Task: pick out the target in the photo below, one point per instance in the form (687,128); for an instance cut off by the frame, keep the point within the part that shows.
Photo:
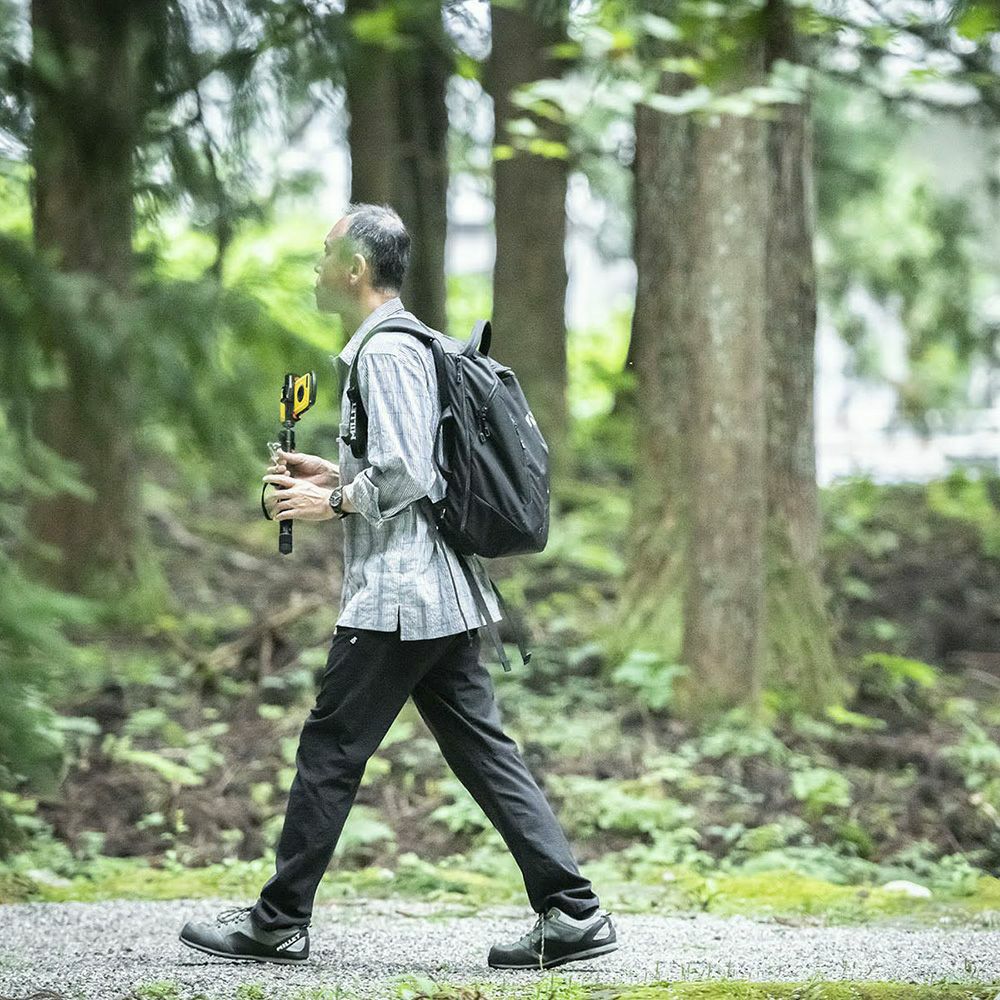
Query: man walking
(408,627)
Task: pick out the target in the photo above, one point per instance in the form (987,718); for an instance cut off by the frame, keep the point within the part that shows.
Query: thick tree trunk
(724,601)
(724,560)
(398,136)
(799,633)
(373,121)
(423,73)
(88,70)
(695,589)
(529,277)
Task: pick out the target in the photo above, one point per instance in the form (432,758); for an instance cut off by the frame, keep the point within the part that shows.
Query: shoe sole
(603,949)
(243,958)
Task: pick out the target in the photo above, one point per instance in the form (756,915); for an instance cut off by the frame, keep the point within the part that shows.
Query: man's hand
(298,499)
(306,468)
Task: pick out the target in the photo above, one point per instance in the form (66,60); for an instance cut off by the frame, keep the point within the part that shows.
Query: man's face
(339,273)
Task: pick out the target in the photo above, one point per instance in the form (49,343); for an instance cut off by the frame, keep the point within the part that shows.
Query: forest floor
(118,950)
(743,858)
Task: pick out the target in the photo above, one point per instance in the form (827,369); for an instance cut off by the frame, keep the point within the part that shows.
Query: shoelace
(526,939)
(540,925)
(233,914)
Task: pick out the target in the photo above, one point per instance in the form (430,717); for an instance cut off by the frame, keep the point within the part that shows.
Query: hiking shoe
(557,938)
(235,935)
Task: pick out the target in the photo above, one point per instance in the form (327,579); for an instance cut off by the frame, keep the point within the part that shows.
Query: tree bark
(695,590)
(799,633)
(89,67)
(664,185)
(529,276)
(398,136)
(724,601)
(373,121)
(423,73)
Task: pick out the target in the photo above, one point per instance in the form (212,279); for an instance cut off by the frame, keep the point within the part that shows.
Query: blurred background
(744,260)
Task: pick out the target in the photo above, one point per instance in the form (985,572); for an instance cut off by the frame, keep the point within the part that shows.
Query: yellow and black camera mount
(298,393)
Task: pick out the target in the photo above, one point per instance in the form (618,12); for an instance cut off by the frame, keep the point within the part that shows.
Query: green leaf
(549,149)
(169,770)
(845,717)
(681,104)
(978,21)
(467,67)
(377,27)
(659,27)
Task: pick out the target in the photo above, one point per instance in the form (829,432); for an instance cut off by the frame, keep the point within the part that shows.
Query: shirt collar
(388,308)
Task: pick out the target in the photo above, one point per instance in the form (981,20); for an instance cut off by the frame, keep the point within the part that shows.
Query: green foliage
(908,685)
(460,813)
(250,991)
(977,755)
(580,541)
(977,20)
(666,851)
(885,542)
(650,676)
(854,720)
(893,675)
(727,989)
(590,805)
(363,831)
(820,789)
(972,499)
(951,874)
(34,647)
(161,989)
(736,735)
(887,228)
(470,298)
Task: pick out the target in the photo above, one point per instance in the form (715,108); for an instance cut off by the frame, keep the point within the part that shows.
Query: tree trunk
(695,590)
(88,71)
(373,123)
(422,74)
(664,185)
(724,601)
(529,277)
(799,652)
(398,136)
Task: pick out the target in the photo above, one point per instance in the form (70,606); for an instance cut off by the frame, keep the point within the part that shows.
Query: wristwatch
(336,500)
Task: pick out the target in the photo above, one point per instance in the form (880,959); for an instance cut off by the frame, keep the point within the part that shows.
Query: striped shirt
(398,570)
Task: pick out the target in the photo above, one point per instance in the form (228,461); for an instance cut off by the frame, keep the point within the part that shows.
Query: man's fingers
(279,479)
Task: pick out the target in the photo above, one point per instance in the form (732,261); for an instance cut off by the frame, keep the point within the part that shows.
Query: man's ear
(358,267)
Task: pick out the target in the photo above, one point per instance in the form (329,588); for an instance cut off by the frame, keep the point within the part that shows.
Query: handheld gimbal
(298,393)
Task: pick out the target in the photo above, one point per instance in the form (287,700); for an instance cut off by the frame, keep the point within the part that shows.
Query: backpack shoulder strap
(397,324)
(357,436)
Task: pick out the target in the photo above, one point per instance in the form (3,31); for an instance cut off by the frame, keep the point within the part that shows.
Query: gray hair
(383,239)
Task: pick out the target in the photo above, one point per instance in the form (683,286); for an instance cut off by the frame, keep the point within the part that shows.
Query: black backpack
(495,460)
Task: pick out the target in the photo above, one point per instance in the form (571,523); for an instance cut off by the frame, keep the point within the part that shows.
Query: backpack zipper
(484,427)
(484,433)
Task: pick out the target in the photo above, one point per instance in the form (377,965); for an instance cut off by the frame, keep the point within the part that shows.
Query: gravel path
(102,951)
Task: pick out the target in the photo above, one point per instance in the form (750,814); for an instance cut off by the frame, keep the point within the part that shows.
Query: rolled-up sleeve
(397,392)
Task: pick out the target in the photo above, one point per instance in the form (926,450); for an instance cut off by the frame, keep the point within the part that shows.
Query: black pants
(368,677)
